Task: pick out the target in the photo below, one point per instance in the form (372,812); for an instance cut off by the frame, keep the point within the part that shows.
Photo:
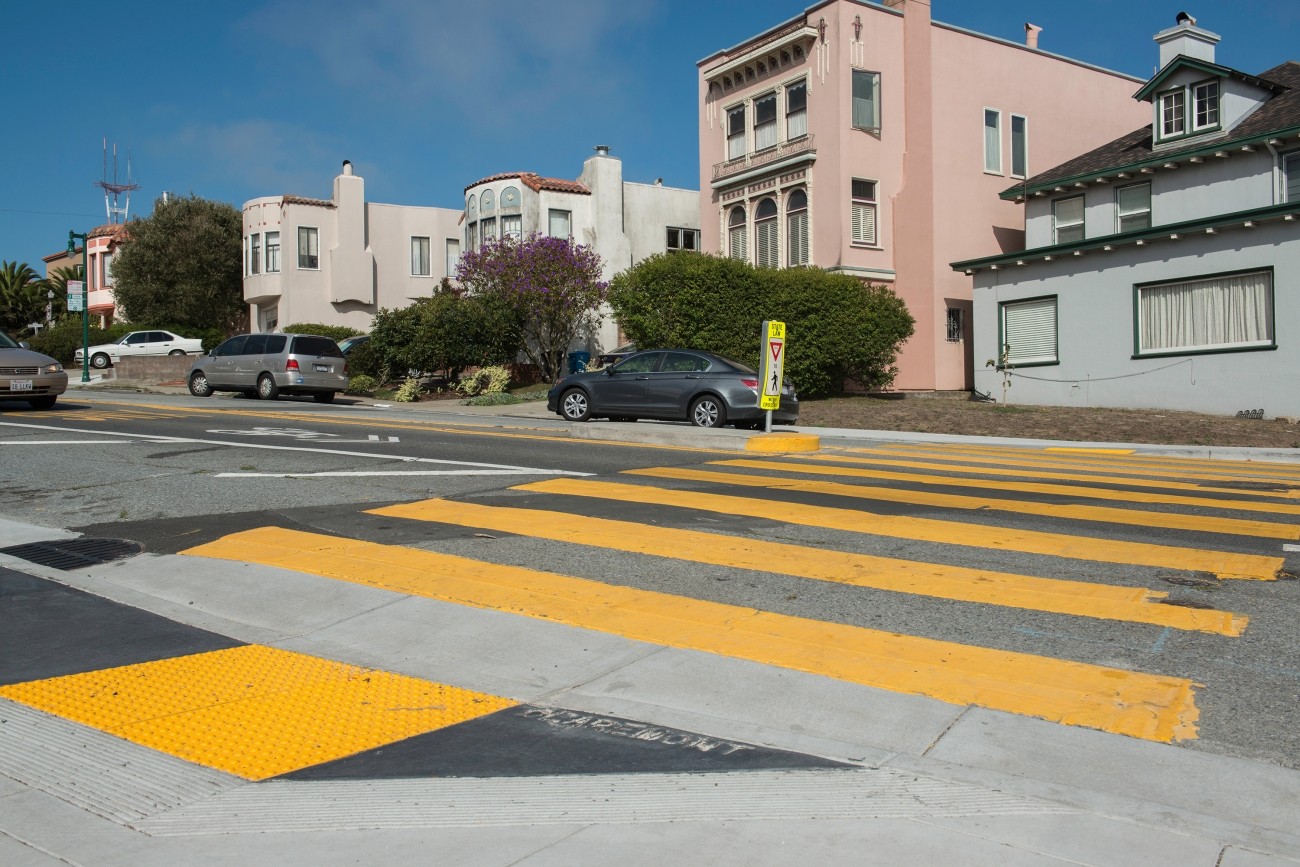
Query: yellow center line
(1103,514)
(1137,605)
(1153,707)
(1223,564)
(1108,467)
(1027,487)
(1042,474)
(468,428)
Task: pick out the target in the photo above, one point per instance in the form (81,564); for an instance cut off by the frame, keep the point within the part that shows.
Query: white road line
(523,471)
(276,448)
(65,443)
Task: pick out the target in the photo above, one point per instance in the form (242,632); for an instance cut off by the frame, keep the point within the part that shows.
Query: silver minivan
(269,365)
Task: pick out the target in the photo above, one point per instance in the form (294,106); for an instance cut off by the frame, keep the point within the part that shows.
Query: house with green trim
(1160,270)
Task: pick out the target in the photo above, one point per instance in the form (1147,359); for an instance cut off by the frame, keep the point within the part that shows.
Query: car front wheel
(99,361)
(199,385)
(708,411)
(574,405)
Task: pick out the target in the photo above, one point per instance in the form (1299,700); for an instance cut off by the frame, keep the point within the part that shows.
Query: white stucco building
(1160,270)
(337,261)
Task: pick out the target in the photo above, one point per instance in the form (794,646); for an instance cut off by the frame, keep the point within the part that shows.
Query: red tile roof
(301,200)
(116,231)
(537,183)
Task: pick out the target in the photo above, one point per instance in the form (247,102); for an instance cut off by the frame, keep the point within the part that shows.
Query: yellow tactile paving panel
(1150,706)
(254,711)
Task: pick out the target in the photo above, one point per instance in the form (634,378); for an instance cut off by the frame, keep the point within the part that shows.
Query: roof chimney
(1031,35)
(602,150)
(347,167)
(1187,39)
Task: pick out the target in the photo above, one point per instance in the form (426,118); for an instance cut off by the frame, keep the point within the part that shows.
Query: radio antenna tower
(113,190)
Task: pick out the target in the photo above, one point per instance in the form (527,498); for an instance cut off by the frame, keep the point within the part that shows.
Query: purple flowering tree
(552,284)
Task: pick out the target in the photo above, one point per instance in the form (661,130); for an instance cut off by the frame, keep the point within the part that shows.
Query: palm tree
(22,296)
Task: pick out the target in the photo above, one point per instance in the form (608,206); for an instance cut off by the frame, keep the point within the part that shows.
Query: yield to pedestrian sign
(773,365)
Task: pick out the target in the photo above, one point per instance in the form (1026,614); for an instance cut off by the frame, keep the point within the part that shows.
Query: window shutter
(736,243)
(1029,328)
(798,239)
(864,224)
(768,245)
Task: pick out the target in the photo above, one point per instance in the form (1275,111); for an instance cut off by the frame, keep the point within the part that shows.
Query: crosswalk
(954,512)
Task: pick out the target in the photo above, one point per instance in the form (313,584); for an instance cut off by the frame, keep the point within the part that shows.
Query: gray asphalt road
(172,472)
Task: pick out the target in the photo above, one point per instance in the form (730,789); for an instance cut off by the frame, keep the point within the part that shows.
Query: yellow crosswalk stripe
(1104,514)
(1029,473)
(1274,469)
(1080,492)
(1223,564)
(1026,458)
(1153,707)
(1138,605)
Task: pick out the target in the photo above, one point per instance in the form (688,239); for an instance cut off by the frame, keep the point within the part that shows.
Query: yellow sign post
(769,396)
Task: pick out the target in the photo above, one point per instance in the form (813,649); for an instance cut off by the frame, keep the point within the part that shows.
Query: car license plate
(20,385)
(323,368)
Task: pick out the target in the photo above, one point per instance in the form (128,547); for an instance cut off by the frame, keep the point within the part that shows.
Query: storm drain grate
(74,553)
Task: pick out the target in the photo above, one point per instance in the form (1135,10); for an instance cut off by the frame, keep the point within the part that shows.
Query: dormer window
(1206,98)
(1191,109)
(1173,113)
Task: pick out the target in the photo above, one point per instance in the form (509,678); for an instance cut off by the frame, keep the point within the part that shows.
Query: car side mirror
(609,371)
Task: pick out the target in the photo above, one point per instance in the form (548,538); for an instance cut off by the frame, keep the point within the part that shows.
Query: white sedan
(142,343)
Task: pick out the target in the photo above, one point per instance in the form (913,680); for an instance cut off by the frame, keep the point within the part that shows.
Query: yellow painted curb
(783,443)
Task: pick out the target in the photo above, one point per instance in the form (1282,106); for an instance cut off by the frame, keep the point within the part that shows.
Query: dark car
(673,384)
(347,344)
(269,365)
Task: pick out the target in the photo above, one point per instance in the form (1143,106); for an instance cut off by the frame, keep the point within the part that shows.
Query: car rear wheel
(708,411)
(324,396)
(99,361)
(574,405)
(199,385)
(177,352)
(43,402)
(266,387)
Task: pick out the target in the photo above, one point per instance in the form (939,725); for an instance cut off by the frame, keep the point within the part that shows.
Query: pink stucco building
(871,140)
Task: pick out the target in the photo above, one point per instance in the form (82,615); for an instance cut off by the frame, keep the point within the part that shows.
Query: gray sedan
(30,376)
(672,384)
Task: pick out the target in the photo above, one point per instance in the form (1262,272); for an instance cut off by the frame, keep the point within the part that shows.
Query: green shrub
(364,361)
(486,380)
(499,398)
(446,332)
(409,391)
(839,328)
(362,384)
(334,332)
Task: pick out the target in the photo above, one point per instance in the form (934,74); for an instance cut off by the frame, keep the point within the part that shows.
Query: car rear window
(741,366)
(316,346)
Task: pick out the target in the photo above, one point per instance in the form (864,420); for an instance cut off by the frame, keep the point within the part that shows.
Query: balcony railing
(757,160)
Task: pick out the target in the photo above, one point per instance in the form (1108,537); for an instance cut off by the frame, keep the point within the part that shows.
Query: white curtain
(1207,314)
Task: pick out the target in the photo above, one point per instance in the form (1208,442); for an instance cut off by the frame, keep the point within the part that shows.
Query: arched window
(487,202)
(510,198)
(796,209)
(736,235)
(766,235)
(471,207)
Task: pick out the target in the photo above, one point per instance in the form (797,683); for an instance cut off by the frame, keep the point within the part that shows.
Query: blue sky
(235,100)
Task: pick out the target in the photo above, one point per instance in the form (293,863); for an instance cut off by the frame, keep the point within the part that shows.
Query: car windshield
(7,342)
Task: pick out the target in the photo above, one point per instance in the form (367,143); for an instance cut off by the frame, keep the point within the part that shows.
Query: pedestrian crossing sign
(773,365)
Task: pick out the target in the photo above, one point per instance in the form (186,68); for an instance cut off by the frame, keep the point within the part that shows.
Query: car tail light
(291,364)
(749,382)
(345,368)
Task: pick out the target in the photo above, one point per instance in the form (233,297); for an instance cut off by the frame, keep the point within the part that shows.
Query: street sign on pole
(74,295)
(773,366)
